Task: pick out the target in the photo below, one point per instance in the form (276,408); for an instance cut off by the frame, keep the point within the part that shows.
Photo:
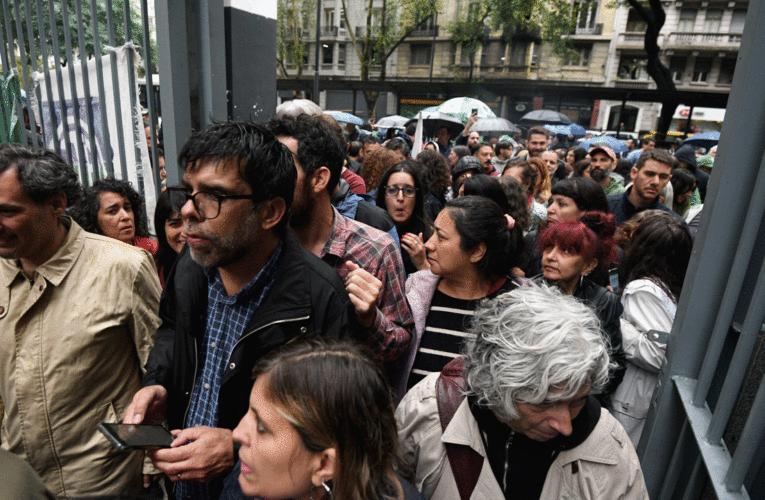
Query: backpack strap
(466,463)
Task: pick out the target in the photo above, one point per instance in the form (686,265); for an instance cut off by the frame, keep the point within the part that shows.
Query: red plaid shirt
(377,253)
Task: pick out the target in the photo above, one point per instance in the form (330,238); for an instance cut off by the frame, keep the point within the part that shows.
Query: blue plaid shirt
(227,318)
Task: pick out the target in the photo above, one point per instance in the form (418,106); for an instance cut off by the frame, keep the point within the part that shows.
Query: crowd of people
(324,318)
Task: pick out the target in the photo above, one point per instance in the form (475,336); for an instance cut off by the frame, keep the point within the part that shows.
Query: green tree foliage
(544,21)
(39,17)
(387,24)
(294,20)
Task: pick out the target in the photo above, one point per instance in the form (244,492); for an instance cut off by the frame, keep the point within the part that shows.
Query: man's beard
(226,250)
(599,175)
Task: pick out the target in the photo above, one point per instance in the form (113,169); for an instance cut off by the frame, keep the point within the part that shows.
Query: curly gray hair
(533,345)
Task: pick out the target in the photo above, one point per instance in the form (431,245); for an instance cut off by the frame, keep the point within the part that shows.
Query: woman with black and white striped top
(471,255)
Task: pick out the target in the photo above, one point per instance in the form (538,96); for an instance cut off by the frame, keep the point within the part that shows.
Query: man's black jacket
(308,297)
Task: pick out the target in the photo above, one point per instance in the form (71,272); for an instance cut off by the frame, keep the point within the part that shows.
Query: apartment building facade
(699,43)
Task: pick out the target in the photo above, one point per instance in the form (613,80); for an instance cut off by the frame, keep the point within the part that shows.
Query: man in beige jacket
(515,417)
(78,313)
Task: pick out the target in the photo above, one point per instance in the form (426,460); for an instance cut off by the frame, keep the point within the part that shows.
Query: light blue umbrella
(344,117)
(605,140)
(703,140)
(557,129)
(576,130)
(572,129)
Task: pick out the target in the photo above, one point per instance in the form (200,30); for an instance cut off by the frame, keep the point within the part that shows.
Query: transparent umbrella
(461,107)
(497,126)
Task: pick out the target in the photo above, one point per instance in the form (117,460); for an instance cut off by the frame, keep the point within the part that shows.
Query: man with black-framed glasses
(242,287)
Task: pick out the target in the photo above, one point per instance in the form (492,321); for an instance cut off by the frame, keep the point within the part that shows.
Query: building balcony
(702,41)
(329,31)
(633,40)
(425,32)
(588,31)
(624,83)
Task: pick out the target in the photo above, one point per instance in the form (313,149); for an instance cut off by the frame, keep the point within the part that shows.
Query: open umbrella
(344,117)
(494,126)
(703,140)
(571,129)
(434,120)
(605,140)
(542,117)
(462,107)
(394,121)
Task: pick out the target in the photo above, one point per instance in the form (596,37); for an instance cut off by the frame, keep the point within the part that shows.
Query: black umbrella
(543,117)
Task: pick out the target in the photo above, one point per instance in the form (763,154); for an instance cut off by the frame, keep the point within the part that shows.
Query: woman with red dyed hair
(570,251)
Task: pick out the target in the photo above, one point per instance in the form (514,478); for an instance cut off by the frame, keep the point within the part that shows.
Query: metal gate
(712,379)
(52,42)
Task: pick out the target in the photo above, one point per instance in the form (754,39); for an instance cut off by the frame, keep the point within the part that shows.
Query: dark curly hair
(42,173)
(439,174)
(480,220)
(517,200)
(86,212)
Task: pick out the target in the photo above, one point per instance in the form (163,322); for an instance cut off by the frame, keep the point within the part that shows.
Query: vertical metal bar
(174,75)
(3,51)
(60,81)
(740,152)
(748,338)
(108,153)
(5,114)
(316,54)
(48,83)
(116,89)
(73,87)
(676,464)
(12,66)
(25,77)
(33,57)
(751,436)
(746,342)
(86,92)
(212,76)
(696,482)
(148,63)
(141,170)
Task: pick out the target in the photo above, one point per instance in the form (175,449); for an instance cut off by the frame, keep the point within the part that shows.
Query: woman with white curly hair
(513,418)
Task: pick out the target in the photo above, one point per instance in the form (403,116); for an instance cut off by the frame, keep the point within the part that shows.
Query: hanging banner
(127,117)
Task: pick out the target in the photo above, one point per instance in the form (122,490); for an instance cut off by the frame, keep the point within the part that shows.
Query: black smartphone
(613,279)
(474,111)
(136,436)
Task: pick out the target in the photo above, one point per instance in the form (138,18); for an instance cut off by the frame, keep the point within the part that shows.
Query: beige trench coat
(73,342)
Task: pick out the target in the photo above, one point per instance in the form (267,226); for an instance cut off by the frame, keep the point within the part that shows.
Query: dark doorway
(628,118)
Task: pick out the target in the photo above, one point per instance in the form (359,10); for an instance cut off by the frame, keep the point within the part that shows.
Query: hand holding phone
(126,437)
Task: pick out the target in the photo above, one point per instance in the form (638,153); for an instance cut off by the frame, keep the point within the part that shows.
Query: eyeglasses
(208,204)
(392,191)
